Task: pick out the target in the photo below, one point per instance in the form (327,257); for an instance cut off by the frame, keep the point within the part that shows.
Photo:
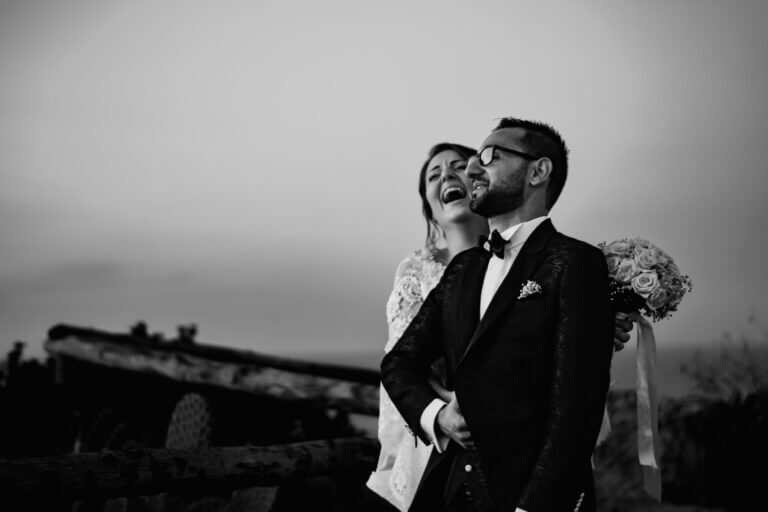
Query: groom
(526,331)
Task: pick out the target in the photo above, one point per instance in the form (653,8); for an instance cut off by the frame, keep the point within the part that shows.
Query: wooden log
(217,353)
(147,472)
(353,390)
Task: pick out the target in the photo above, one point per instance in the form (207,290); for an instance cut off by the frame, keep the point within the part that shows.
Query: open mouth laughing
(453,193)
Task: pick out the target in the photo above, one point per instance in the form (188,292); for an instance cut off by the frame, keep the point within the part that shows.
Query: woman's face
(447,188)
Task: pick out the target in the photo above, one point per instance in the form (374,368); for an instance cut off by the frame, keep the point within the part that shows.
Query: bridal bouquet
(644,281)
(644,278)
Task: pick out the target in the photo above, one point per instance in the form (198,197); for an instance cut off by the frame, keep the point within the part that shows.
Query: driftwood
(147,472)
(341,387)
(219,353)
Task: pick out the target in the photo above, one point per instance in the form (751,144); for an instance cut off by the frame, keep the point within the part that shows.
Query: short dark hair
(463,151)
(542,140)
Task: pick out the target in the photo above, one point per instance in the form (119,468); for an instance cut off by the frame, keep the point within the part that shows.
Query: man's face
(499,186)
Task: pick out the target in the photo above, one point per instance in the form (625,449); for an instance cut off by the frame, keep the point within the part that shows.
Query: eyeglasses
(487,154)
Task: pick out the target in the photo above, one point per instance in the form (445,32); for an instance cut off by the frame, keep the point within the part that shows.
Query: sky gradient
(251,166)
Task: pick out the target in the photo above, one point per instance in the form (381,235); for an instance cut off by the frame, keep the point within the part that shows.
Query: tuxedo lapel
(525,265)
(467,312)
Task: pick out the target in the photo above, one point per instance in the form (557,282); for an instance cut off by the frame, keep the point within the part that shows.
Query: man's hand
(622,330)
(451,422)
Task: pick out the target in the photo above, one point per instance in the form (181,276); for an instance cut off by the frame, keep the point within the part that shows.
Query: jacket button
(468,468)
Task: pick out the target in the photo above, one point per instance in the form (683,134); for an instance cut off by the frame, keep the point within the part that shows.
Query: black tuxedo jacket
(531,377)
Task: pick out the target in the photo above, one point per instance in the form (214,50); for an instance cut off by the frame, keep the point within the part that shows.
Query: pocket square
(529,288)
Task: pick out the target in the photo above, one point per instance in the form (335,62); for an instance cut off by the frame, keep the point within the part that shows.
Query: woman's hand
(621,331)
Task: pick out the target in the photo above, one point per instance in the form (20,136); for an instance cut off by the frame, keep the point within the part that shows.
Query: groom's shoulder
(571,247)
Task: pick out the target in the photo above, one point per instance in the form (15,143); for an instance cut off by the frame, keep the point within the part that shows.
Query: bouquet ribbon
(648,448)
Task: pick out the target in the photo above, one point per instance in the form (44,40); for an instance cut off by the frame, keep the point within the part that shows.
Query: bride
(451,228)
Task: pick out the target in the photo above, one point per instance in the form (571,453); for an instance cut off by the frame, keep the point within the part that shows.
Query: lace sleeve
(403,304)
(415,277)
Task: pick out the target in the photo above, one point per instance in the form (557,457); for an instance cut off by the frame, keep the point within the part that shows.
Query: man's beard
(501,199)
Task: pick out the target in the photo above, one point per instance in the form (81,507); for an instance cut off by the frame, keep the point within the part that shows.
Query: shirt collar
(519,233)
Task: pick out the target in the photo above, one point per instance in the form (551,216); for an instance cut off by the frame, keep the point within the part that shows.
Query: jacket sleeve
(405,368)
(580,379)
(403,304)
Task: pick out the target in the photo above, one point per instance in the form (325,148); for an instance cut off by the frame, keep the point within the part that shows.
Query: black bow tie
(496,244)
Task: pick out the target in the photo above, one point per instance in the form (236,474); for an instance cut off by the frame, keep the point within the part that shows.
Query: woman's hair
(464,152)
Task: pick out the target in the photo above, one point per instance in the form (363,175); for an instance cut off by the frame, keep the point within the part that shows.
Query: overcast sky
(251,166)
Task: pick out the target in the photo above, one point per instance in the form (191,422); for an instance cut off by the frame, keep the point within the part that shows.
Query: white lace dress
(403,457)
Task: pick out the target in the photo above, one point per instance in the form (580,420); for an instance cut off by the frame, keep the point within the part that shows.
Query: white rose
(613,264)
(627,270)
(645,259)
(619,247)
(645,284)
